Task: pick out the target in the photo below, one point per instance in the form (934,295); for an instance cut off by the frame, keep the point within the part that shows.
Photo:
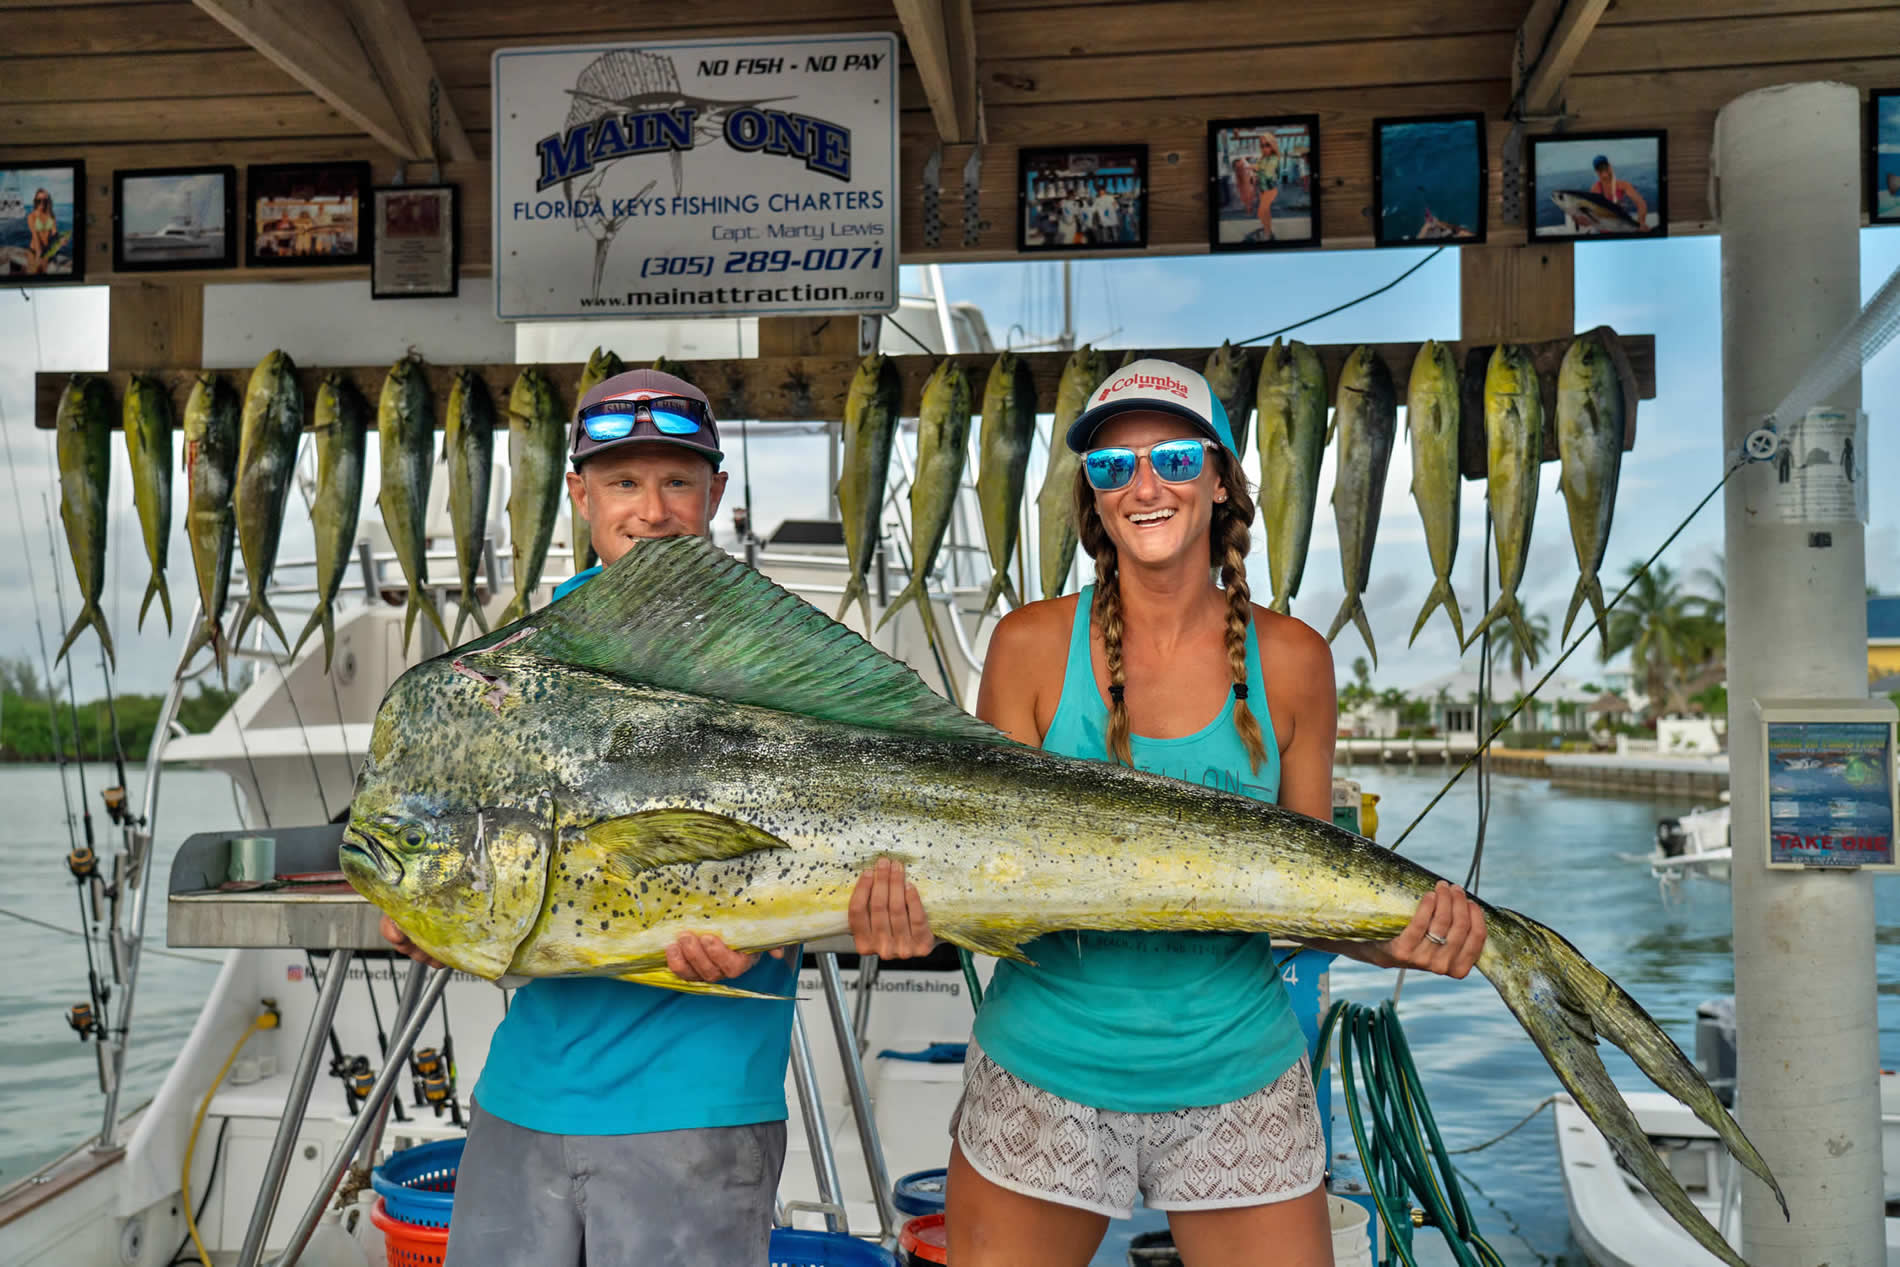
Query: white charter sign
(696,178)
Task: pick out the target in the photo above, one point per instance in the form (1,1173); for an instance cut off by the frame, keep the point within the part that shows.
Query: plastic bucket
(407,1245)
(1352,1237)
(823,1249)
(924,1241)
(921,1192)
(418,1184)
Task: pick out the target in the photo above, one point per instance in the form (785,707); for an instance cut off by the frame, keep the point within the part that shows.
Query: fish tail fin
(856,589)
(914,590)
(470,606)
(936,646)
(1565,1002)
(1521,630)
(156,588)
(422,598)
(1501,610)
(1354,610)
(90,614)
(666,980)
(1000,587)
(1441,595)
(1282,603)
(319,619)
(210,633)
(1591,589)
(259,605)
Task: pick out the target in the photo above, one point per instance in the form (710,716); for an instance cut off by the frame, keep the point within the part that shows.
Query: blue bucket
(921,1192)
(826,1249)
(417,1185)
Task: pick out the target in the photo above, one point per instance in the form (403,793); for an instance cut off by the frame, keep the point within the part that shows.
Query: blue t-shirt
(595,1056)
(1148,1022)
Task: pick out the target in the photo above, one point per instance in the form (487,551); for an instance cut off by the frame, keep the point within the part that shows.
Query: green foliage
(29,730)
(1677,640)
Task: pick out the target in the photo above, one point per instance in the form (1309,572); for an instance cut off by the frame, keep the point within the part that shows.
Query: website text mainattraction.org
(726,295)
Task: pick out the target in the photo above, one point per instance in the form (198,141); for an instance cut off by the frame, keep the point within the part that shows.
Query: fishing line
(257,784)
(913,338)
(1371,294)
(1636,575)
(73,932)
(310,754)
(1484,712)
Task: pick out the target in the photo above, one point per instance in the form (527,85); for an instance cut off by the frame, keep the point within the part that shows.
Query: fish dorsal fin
(681,614)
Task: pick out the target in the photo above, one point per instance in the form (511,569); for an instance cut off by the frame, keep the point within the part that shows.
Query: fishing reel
(82,862)
(435,1082)
(85,1024)
(114,797)
(355,1075)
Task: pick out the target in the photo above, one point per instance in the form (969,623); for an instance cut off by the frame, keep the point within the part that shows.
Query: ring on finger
(1434,938)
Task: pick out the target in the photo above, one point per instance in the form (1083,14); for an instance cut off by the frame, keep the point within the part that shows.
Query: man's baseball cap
(1154,385)
(620,395)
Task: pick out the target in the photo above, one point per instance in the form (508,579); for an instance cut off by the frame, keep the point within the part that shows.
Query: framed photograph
(306,215)
(1429,179)
(42,223)
(1263,183)
(1598,185)
(1082,198)
(174,217)
(1883,157)
(417,250)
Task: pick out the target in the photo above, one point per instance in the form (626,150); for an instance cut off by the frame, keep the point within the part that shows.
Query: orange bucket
(924,1240)
(407,1244)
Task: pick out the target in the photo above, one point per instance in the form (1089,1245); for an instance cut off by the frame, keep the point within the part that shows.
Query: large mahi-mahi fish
(682,745)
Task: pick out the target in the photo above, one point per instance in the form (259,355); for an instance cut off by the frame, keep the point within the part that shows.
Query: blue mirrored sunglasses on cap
(670,415)
(1174,462)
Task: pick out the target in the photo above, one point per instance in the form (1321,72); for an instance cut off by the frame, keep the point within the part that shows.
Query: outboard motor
(1715,1046)
(1670,838)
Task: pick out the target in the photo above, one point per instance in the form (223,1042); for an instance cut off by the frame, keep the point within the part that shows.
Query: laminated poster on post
(1827,778)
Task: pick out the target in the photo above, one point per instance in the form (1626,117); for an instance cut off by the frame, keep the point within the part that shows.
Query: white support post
(1788,163)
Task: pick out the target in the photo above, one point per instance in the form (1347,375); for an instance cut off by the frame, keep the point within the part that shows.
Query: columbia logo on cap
(1155,382)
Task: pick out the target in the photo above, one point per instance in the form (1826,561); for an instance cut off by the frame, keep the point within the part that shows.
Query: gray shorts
(694,1198)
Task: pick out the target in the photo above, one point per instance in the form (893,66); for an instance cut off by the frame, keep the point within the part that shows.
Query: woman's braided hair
(1229,535)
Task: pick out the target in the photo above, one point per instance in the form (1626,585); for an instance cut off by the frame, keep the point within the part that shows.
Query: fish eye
(413,839)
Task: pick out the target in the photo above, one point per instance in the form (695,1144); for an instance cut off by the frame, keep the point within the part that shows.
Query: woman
(1165,1063)
(44,238)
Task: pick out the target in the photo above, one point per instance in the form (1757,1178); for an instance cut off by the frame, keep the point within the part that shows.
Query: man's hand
(887,915)
(706,957)
(400,940)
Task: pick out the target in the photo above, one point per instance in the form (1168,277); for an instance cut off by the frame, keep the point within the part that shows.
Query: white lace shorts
(1256,1150)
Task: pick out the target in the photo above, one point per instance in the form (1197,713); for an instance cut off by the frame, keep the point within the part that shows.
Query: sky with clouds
(1668,288)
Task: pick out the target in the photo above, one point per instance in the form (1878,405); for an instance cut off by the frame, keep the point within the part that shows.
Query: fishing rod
(83,861)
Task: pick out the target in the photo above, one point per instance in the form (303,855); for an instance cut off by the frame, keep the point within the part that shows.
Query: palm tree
(1522,657)
(1675,642)
(1714,604)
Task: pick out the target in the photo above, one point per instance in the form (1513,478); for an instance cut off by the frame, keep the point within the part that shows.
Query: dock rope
(1404,1156)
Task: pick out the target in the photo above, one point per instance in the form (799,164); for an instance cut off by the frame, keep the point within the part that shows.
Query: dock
(1702,776)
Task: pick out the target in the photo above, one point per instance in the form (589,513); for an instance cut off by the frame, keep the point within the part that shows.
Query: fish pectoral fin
(660,837)
(666,980)
(994,942)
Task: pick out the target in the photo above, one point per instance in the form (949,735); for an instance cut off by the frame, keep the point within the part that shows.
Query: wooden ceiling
(149,83)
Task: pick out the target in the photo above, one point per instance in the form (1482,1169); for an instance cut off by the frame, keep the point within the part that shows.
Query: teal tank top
(1147,1022)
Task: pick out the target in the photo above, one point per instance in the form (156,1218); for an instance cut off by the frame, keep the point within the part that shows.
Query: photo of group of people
(1094,199)
(1264,185)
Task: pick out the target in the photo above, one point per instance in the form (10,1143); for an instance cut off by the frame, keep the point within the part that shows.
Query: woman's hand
(887,915)
(1445,936)
(706,957)
(400,940)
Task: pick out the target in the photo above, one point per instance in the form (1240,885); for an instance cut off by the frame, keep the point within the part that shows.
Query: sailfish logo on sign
(627,84)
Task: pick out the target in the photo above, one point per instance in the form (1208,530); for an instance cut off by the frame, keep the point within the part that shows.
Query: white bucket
(1352,1240)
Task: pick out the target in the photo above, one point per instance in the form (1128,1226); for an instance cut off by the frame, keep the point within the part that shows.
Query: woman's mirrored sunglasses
(1174,462)
(670,415)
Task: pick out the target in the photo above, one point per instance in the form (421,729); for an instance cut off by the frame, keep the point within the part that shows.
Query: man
(617,1123)
(621,1125)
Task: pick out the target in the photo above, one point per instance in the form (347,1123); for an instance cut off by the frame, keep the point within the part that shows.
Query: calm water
(1551,854)
(49,1082)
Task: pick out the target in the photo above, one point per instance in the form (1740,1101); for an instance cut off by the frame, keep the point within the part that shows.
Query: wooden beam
(313,42)
(155,323)
(1517,293)
(942,39)
(1547,47)
(808,336)
(408,76)
(810,388)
